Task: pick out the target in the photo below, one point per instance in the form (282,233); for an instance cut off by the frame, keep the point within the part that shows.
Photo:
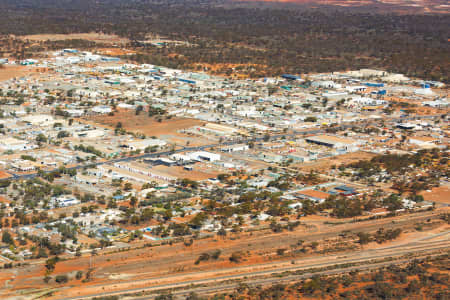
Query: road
(226,143)
(364,259)
(225,287)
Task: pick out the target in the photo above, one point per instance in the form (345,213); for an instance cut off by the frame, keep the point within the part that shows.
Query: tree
(133,201)
(62,134)
(61,278)
(235,257)
(41,253)
(222,232)
(79,275)
(311,119)
(271,90)
(51,263)
(127,186)
(7,238)
(41,138)
(364,238)
(139,109)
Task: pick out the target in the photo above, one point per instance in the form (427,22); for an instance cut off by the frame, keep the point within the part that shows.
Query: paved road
(227,143)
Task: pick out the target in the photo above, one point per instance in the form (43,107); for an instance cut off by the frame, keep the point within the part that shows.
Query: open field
(4,175)
(8,72)
(180,172)
(325,163)
(114,51)
(92,36)
(438,194)
(167,128)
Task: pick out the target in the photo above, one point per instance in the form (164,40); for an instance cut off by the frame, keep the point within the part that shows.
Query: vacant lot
(180,172)
(92,36)
(168,128)
(8,72)
(325,163)
(439,194)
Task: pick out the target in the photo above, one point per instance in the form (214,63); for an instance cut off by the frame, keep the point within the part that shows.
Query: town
(101,157)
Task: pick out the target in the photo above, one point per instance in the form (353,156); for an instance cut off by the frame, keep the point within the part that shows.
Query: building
(204,155)
(356,89)
(291,77)
(313,195)
(344,190)
(234,148)
(110,59)
(334,142)
(64,201)
(161,161)
(407,126)
(326,84)
(102,109)
(23,165)
(143,144)
(13,144)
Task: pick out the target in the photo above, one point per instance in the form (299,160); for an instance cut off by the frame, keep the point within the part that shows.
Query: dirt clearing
(439,194)
(325,163)
(8,72)
(180,172)
(92,36)
(167,129)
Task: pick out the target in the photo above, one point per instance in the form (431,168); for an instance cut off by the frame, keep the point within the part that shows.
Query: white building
(64,201)
(203,155)
(13,144)
(102,109)
(142,144)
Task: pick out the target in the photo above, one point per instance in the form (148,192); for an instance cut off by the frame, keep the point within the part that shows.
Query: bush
(62,279)
(79,275)
(235,257)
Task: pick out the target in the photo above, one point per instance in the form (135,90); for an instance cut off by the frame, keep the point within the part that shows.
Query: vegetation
(268,41)
(420,279)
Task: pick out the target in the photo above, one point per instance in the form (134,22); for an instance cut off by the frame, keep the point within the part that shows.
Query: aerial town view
(224,150)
